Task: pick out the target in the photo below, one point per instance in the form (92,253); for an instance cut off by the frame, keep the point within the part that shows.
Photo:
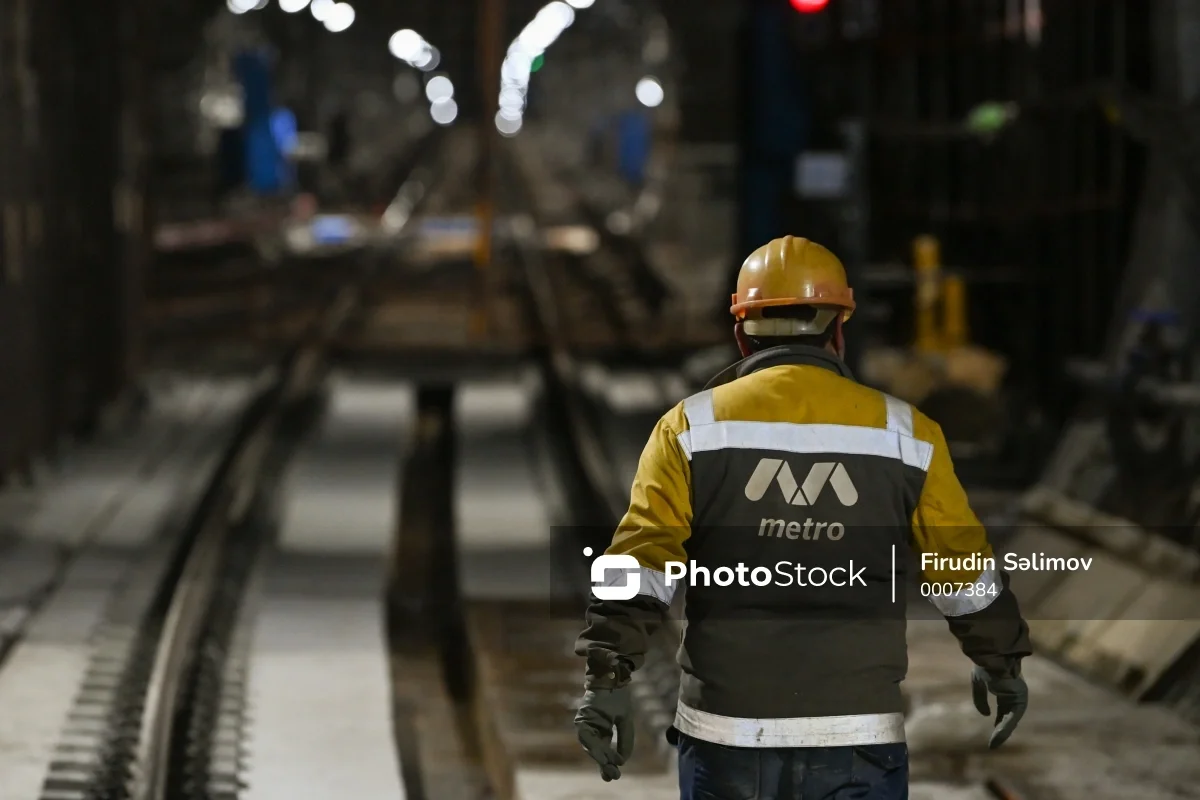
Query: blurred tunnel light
(320,9)
(649,92)
(240,6)
(292,6)
(405,45)
(545,29)
(511,98)
(439,89)
(507,125)
(429,59)
(340,17)
(516,68)
(534,41)
(525,54)
(519,60)
(223,109)
(560,13)
(261,4)
(444,112)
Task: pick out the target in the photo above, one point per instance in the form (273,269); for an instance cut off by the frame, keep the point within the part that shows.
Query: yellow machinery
(935,289)
(954,312)
(927,262)
(941,355)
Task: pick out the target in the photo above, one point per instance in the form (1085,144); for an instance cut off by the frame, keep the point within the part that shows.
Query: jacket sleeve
(982,611)
(652,532)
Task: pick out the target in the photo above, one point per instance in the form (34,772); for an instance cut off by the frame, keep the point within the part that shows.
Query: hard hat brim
(838,299)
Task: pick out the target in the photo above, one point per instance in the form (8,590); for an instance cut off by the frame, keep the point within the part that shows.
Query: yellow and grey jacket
(793,496)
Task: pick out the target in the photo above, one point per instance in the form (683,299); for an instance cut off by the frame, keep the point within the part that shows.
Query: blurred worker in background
(784,463)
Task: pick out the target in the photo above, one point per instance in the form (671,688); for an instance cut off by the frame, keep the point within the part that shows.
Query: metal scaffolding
(987,130)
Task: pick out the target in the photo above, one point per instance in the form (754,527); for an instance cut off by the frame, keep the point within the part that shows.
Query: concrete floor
(1077,742)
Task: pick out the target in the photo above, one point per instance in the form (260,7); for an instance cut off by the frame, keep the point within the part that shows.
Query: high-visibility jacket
(786,503)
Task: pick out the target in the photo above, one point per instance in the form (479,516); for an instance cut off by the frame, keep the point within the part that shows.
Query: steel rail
(231,498)
(587,466)
(226,504)
(564,370)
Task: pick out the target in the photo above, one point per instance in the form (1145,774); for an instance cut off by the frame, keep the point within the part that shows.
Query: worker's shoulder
(801,393)
(922,427)
(675,420)
(925,428)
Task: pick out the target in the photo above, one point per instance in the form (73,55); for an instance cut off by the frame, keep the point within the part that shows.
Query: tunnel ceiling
(703,52)
(186,60)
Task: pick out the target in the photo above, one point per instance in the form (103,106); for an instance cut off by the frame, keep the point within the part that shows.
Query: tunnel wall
(72,221)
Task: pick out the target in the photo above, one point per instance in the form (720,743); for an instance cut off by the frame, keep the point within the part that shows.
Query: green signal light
(537,63)
(988,118)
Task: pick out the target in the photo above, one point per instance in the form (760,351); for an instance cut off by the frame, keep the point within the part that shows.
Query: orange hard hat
(792,272)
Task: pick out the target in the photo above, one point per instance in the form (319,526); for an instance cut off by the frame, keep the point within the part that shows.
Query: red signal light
(809,6)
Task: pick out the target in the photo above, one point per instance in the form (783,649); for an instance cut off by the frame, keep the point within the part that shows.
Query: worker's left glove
(602,712)
(1012,698)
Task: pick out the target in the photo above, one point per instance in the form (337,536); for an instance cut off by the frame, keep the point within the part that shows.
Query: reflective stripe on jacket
(790,465)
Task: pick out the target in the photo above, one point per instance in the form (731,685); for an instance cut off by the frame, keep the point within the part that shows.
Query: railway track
(141,640)
(184,689)
(533,727)
(504,668)
(157,693)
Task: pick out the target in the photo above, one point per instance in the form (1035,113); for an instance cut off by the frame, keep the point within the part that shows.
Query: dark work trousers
(715,772)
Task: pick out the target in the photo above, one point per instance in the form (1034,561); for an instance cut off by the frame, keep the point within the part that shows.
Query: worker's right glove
(1012,698)
(602,712)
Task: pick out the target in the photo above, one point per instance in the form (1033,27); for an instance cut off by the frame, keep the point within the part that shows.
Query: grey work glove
(1012,698)
(602,712)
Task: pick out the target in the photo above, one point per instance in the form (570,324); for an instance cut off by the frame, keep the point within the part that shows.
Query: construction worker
(810,488)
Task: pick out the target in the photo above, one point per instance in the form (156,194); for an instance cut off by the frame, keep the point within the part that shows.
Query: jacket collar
(797,354)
